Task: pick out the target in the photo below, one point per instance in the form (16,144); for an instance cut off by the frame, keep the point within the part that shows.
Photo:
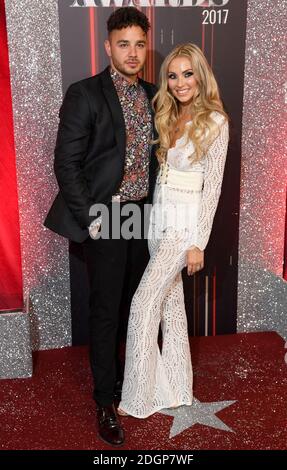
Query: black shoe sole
(109,443)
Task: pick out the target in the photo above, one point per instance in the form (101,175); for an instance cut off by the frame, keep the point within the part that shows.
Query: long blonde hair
(206,100)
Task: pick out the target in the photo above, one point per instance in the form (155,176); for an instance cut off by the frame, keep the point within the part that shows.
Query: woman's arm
(213,176)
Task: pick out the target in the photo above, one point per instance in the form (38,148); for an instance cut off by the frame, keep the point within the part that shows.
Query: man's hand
(94,228)
(194,260)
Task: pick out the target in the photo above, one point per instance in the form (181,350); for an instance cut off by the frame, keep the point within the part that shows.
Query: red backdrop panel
(285,251)
(11,296)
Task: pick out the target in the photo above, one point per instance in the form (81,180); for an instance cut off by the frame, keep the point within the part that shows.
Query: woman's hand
(194,260)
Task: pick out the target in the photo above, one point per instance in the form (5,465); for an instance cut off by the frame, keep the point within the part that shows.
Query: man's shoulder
(150,86)
(87,83)
(92,84)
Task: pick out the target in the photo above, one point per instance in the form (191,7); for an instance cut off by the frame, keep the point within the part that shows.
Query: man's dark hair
(127,16)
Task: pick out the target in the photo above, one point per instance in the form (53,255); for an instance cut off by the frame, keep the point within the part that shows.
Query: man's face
(127,50)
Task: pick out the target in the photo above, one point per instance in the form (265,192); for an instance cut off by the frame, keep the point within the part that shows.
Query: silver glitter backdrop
(35,63)
(15,347)
(262,291)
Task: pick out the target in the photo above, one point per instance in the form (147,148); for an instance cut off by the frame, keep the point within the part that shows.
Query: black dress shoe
(118,390)
(110,430)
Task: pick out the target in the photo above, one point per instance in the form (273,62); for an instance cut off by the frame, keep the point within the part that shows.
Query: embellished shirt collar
(122,82)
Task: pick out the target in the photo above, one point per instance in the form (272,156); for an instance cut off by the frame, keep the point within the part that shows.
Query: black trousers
(115,267)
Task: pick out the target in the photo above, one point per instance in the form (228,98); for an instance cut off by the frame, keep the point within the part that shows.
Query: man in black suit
(103,154)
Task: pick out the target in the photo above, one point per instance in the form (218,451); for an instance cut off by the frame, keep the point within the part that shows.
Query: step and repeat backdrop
(219,29)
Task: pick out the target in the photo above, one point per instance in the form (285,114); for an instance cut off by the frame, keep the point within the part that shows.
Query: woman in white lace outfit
(193,139)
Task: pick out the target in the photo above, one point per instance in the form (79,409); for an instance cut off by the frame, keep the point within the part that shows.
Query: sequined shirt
(138,125)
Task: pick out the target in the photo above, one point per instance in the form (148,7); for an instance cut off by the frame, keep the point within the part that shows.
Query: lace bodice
(177,156)
(212,167)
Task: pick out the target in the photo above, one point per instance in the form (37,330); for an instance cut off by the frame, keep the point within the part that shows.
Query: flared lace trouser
(157,379)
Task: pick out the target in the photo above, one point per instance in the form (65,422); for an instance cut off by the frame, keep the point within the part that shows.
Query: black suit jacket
(90,153)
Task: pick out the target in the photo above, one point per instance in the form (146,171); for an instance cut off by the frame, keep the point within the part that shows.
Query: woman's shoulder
(218,117)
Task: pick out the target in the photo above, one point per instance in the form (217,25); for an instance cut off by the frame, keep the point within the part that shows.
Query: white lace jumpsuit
(155,379)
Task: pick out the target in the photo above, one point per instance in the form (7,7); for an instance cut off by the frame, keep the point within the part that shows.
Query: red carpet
(54,409)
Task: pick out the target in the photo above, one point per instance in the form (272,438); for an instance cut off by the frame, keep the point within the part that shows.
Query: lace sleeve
(213,176)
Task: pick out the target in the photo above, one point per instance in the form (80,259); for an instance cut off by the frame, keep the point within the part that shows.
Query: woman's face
(181,80)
